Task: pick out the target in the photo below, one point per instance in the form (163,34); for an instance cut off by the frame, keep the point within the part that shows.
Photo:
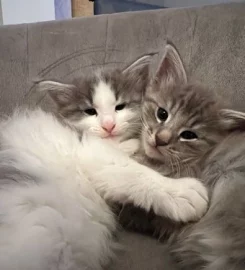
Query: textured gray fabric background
(211,41)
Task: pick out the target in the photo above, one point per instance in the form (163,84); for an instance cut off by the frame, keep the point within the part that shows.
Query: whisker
(175,162)
(171,163)
(146,126)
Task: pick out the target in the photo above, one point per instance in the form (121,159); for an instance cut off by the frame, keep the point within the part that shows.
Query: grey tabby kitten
(217,241)
(187,131)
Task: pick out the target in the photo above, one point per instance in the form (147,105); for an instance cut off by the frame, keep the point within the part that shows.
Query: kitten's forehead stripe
(151,100)
(103,95)
(194,122)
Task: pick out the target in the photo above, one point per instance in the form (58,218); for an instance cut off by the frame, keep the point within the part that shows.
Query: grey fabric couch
(211,41)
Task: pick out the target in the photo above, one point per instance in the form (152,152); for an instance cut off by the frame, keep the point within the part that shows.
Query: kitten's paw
(129,147)
(187,201)
(191,200)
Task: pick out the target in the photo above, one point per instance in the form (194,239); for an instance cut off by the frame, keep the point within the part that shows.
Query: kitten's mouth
(155,148)
(151,150)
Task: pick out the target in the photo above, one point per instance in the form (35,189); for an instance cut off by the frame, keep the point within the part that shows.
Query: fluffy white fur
(54,213)
(54,219)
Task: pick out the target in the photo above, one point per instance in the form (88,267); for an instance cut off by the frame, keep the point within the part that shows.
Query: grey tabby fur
(216,156)
(217,241)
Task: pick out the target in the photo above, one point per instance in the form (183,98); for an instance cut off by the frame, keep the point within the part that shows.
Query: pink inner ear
(171,68)
(164,67)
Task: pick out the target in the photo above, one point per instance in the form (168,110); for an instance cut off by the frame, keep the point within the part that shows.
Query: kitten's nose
(162,138)
(108,126)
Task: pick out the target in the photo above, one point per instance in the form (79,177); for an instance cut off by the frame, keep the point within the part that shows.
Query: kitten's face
(107,104)
(182,122)
(107,111)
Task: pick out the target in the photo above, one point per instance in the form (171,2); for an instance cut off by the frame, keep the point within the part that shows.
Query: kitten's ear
(232,120)
(140,65)
(137,73)
(60,93)
(171,69)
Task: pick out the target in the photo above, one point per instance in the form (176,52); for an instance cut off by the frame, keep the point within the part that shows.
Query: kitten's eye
(90,111)
(188,135)
(120,107)
(162,114)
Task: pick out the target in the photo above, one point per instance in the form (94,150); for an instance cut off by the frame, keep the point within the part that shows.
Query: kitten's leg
(118,178)
(178,199)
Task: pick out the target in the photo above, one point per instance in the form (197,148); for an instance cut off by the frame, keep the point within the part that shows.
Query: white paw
(129,147)
(187,201)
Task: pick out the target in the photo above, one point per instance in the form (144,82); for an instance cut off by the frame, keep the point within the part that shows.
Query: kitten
(217,241)
(56,178)
(187,131)
(182,124)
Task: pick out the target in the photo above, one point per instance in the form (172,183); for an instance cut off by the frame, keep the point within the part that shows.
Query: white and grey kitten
(56,178)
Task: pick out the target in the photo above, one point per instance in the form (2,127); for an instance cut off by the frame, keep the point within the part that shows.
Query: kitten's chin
(105,135)
(152,152)
(114,138)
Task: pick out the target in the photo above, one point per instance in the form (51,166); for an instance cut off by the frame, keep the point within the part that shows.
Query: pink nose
(108,126)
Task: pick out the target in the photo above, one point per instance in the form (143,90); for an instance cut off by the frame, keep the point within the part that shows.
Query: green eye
(188,135)
(90,111)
